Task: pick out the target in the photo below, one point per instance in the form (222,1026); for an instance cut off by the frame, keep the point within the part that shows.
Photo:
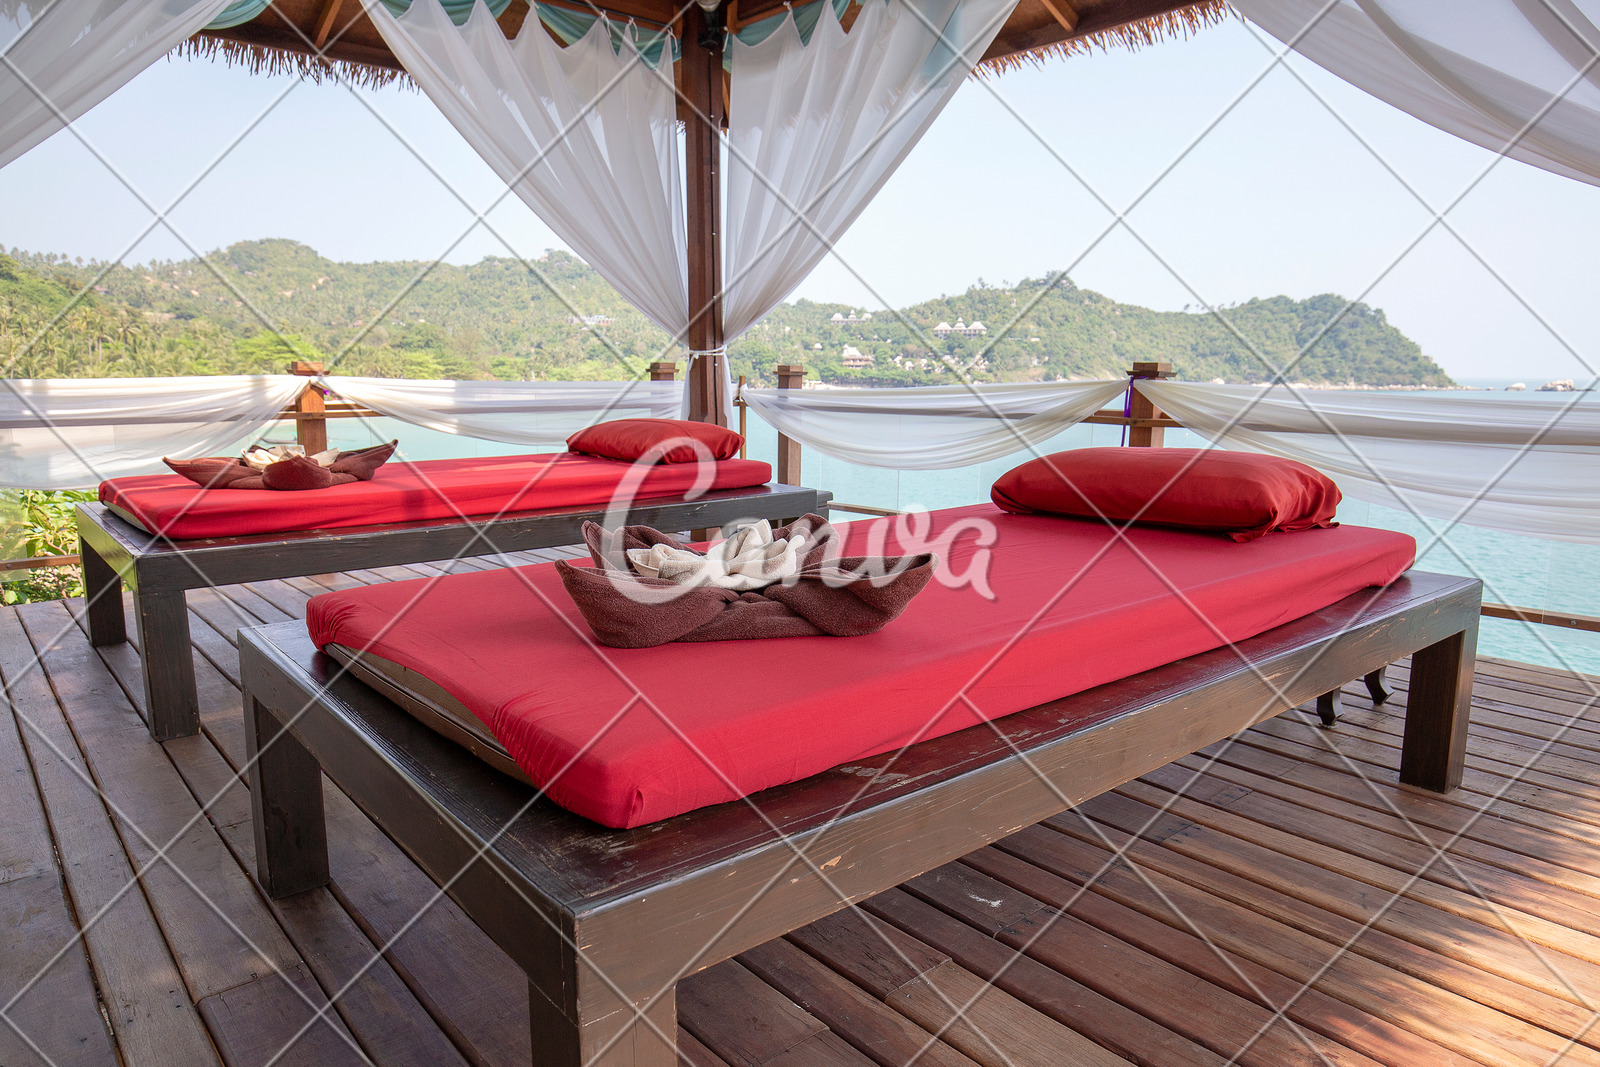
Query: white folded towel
(262,458)
(750,559)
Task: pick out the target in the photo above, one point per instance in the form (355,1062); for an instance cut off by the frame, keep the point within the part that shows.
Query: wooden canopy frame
(318,36)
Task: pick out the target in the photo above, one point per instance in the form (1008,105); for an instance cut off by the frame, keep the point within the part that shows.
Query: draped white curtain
(932,428)
(587,137)
(522,413)
(814,131)
(1526,464)
(70,434)
(1490,71)
(75,53)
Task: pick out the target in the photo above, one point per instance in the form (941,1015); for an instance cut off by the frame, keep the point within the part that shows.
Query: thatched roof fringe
(272,61)
(258,59)
(1183,22)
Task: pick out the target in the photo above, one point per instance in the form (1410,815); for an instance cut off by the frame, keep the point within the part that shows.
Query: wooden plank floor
(1275,901)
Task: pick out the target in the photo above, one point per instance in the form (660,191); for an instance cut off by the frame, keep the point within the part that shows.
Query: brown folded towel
(293,473)
(842,597)
(363,463)
(217,472)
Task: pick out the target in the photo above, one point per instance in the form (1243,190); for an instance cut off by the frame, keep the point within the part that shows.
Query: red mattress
(511,646)
(405,492)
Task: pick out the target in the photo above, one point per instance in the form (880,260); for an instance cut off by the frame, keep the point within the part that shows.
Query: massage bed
(856,769)
(163,535)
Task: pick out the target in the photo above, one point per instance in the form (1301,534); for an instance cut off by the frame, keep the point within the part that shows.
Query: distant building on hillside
(960,329)
(589,320)
(853,357)
(841,318)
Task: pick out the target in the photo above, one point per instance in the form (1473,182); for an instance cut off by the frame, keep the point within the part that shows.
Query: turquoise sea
(1525,571)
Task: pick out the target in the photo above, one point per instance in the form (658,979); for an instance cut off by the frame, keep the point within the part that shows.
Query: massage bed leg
(102,590)
(1328,708)
(286,802)
(1438,707)
(593,1029)
(1376,688)
(172,707)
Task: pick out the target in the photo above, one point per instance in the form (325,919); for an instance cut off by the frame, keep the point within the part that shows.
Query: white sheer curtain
(587,137)
(932,428)
(1526,464)
(78,52)
(814,130)
(1490,71)
(70,434)
(523,413)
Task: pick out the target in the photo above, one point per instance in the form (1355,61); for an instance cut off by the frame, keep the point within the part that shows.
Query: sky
(1233,195)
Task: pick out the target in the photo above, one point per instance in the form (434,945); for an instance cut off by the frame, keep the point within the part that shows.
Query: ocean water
(1526,571)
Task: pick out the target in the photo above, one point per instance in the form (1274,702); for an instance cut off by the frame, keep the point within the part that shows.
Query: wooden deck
(1288,908)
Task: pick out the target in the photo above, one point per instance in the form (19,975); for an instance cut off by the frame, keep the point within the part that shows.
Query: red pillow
(632,439)
(1243,494)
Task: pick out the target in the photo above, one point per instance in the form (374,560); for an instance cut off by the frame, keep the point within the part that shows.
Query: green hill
(502,318)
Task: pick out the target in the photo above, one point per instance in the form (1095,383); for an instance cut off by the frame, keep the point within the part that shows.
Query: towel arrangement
(285,467)
(750,559)
(646,588)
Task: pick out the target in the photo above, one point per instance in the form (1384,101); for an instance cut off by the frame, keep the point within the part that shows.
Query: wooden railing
(1146,425)
(1145,422)
(310,412)
(29,563)
(1546,618)
(312,409)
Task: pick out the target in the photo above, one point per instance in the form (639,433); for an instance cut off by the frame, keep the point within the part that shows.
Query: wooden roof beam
(330,11)
(1065,15)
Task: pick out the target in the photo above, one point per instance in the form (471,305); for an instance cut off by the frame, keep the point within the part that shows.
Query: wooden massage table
(381,531)
(606,921)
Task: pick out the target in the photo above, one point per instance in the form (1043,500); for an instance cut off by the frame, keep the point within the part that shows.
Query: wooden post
(790,376)
(663,372)
(286,804)
(703,113)
(171,703)
(1433,750)
(310,428)
(102,587)
(1140,406)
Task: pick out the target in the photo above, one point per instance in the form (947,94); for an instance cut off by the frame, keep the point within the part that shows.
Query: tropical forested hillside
(257,305)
